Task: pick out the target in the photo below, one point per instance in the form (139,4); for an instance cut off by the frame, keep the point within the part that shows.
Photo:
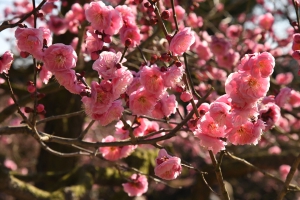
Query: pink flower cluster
(115,153)
(182,41)
(167,167)
(108,21)
(137,185)
(5,62)
(148,95)
(243,112)
(103,104)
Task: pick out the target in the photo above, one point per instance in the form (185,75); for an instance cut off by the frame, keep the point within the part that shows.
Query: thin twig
(289,178)
(218,172)
(174,16)
(260,170)
(15,100)
(81,136)
(6,25)
(60,117)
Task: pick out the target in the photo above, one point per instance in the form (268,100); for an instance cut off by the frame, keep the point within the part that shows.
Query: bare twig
(81,136)
(60,117)
(289,178)
(6,25)
(218,172)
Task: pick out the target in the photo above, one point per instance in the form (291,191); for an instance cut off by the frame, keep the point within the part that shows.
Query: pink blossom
(142,102)
(234,31)
(167,167)
(113,113)
(57,25)
(10,164)
(283,96)
(194,21)
(101,96)
(203,51)
(270,114)
(284,78)
(294,99)
(130,32)
(115,153)
(248,133)
(115,23)
(211,143)
(172,76)
(228,59)
(169,104)
(29,40)
(123,78)
(262,65)
(48,7)
(137,185)
(253,88)
(266,21)
(45,75)
(105,65)
(93,42)
(274,150)
(146,127)
(165,106)
(68,79)
(5,62)
(98,14)
(182,41)
(47,35)
(186,96)
(296,42)
(239,116)
(208,126)
(151,78)
(284,170)
(127,13)
(219,45)
(219,111)
(59,57)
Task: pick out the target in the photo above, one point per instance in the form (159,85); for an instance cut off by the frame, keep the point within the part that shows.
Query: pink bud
(30,87)
(40,108)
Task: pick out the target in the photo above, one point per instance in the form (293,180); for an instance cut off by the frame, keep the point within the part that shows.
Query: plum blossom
(219,45)
(115,153)
(182,41)
(141,102)
(137,185)
(266,21)
(208,126)
(113,113)
(284,78)
(57,25)
(5,62)
(165,106)
(167,167)
(105,65)
(104,18)
(30,40)
(172,76)
(270,114)
(248,133)
(132,32)
(59,57)
(262,65)
(68,79)
(151,78)
(211,143)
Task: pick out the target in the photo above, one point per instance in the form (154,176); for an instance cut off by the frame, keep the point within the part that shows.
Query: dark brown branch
(6,25)
(289,178)
(218,172)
